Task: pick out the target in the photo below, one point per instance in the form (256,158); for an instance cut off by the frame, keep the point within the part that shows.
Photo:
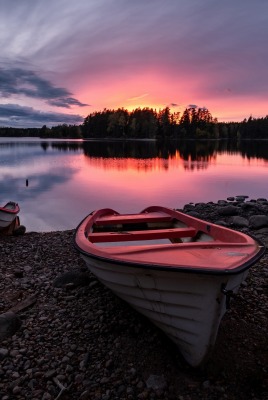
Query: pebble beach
(63,335)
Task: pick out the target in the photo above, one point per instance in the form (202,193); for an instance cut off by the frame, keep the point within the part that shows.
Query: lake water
(57,183)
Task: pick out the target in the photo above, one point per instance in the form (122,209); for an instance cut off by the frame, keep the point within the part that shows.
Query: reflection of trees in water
(127,164)
(194,150)
(121,149)
(206,150)
(148,155)
(191,165)
(146,149)
(69,146)
(44,146)
(193,154)
(198,151)
(196,155)
(254,149)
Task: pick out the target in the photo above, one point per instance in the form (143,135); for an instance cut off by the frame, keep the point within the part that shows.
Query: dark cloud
(18,81)
(66,102)
(17,116)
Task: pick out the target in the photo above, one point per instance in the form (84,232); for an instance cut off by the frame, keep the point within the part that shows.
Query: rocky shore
(65,336)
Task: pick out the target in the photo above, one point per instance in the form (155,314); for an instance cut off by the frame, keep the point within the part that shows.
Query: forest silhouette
(146,123)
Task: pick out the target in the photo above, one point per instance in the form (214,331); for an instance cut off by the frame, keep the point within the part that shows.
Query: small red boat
(8,215)
(177,270)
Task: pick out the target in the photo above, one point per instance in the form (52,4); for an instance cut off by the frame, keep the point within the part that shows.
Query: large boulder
(258,221)
(240,222)
(9,324)
(228,210)
(75,278)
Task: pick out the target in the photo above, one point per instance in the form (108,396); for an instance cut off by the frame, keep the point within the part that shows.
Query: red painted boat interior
(187,241)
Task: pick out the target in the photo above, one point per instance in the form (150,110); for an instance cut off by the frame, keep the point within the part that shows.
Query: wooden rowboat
(8,214)
(175,269)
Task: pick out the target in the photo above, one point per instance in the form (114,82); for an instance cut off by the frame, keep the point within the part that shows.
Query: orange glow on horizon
(218,110)
(159,90)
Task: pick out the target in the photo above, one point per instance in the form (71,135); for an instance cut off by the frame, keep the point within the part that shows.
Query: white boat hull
(6,219)
(188,307)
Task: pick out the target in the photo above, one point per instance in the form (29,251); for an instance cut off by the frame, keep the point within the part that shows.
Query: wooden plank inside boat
(128,218)
(97,237)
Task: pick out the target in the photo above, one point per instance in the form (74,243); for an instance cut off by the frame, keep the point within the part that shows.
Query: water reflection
(254,149)
(200,151)
(28,169)
(68,179)
(36,182)
(188,150)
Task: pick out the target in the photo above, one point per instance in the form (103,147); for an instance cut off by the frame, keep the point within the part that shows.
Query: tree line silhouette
(147,123)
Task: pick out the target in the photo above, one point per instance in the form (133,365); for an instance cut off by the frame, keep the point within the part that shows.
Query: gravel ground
(71,338)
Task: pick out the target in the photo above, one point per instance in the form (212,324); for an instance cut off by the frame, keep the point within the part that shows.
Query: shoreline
(74,332)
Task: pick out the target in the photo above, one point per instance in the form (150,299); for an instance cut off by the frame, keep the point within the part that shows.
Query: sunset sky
(61,60)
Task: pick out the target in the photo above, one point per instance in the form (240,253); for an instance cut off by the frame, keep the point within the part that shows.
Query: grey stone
(49,374)
(156,382)
(188,207)
(3,353)
(221,223)
(222,202)
(206,384)
(194,214)
(228,210)
(258,221)
(76,278)
(249,205)
(240,221)
(19,231)
(16,390)
(263,231)
(241,198)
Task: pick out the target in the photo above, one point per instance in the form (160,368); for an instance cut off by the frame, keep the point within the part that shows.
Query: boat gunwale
(14,211)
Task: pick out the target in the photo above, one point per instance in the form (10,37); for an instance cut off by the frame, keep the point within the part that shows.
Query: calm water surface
(69,179)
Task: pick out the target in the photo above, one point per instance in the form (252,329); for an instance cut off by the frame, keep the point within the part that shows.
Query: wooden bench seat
(141,235)
(128,218)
